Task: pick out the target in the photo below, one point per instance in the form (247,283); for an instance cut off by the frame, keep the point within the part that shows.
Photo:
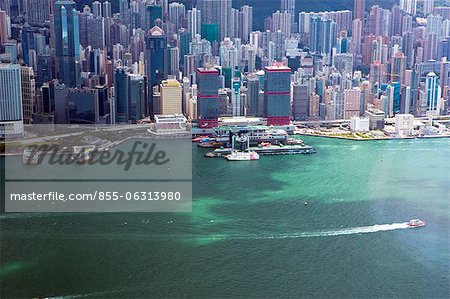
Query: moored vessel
(242,156)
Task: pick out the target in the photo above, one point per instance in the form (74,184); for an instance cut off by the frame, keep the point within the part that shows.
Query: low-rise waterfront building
(404,125)
(359,124)
(376,118)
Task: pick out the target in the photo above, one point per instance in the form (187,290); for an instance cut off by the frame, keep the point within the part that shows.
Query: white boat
(416,223)
(243,156)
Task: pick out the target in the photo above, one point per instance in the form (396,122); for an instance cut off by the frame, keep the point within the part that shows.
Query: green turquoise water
(250,235)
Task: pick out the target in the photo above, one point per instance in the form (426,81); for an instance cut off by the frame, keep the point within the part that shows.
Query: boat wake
(325,233)
(349,231)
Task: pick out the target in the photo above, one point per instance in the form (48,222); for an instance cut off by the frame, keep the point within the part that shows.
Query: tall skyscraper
(194,19)
(359,10)
(83,106)
(379,21)
(28,85)
(177,12)
(410,6)
(245,22)
(282,21)
(433,92)
(106,9)
(170,97)
(130,96)
(344,64)
(303,22)
(357,30)
(11,111)
(5,5)
(288,5)
(156,60)
(352,99)
(217,12)
(97,25)
(124,10)
(253,96)
(300,101)
(27,43)
(121,95)
(323,35)
(3,27)
(207,97)
(398,67)
(277,95)
(137,95)
(38,11)
(152,14)
(174,61)
(237,102)
(97,9)
(67,44)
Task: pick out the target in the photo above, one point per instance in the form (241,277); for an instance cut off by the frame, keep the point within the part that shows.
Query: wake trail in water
(325,233)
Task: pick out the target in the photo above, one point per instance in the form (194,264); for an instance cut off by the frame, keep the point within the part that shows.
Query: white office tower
(236,97)
(433,92)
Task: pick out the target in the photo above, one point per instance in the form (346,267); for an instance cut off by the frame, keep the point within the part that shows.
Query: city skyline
(384,54)
(224,148)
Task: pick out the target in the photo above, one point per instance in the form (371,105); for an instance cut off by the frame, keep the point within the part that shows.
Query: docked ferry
(242,156)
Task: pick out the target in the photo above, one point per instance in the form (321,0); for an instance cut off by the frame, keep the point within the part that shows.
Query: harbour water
(250,233)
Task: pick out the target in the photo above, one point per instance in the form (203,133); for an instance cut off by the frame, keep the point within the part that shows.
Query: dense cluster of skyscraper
(105,64)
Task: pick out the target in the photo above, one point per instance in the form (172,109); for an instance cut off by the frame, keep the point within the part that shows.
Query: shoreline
(374,139)
(117,143)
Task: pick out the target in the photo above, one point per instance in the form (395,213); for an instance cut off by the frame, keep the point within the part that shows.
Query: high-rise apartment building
(38,11)
(409,6)
(217,12)
(323,36)
(359,9)
(194,19)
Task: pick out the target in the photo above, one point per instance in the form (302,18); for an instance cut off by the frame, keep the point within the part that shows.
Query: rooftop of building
(156,31)
(277,68)
(207,70)
(170,83)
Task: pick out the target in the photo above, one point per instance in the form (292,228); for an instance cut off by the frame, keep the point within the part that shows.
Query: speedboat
(416,223)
